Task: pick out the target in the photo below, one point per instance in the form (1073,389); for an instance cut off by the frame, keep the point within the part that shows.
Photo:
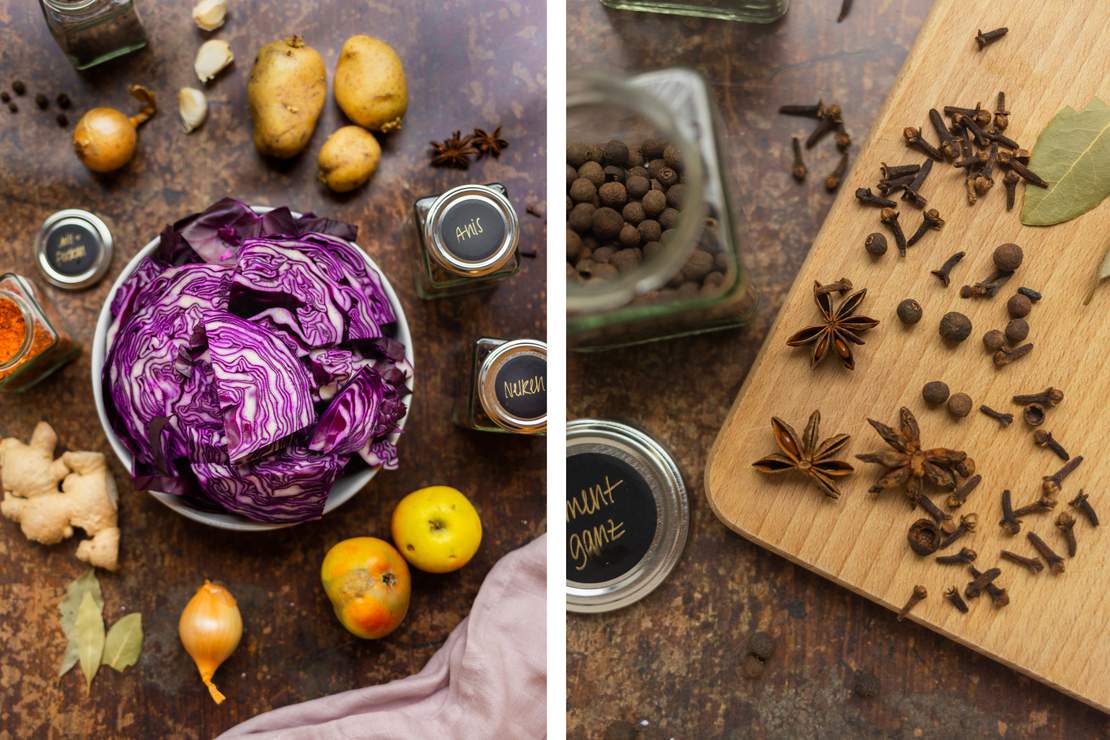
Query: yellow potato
(286,92)
(370,84)
(348,158)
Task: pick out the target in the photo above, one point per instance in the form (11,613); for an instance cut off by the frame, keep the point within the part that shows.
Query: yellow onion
(105,138)
(210,628)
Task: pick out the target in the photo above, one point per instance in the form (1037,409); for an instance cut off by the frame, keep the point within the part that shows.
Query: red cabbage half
(250,358)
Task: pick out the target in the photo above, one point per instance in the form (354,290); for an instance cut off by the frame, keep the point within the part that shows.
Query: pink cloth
(489,680)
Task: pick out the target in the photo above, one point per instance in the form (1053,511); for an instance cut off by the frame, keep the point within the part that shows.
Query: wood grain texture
(1054,628)
(468,63)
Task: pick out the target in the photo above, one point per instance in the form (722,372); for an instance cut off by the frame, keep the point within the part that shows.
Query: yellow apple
(437,529)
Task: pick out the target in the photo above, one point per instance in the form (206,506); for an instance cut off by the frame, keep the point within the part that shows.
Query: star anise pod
(907,464)
(489,144)
(806,455)
(839,331)
(453,152)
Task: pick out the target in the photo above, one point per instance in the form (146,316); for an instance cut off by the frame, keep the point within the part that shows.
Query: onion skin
(104,139)
(210,628)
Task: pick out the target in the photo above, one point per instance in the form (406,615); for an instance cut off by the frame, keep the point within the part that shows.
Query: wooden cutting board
(1056,628)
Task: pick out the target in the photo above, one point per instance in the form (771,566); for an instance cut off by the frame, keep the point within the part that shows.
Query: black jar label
(72,249)
(611,517)
(521,386)
(473,230)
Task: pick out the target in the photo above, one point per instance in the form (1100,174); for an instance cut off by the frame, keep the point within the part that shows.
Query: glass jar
(468,239)
(682,273)
(506,387)
(92,32)
(33,343)
(749,11)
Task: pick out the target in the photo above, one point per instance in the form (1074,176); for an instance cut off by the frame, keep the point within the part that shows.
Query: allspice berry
(581,217)
(675,195)
(1007,257)
(606,224)
(637,186)
(613,195)
(582,191)
(959,405)
(633,212)
(593,172)
(994,340)
(626,259)
(1016,331)
(1019,306)
(650,231)
(615,153)
(654,202)
(955,327)
(875,244)
(668,219)
(595,153)
(909,312)
(673,157)
(935,392)
(574,244)
(629,236)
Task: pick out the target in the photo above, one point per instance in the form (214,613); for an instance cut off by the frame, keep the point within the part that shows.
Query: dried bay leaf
(88,632)
(124,642)
(75,591)
(1073,155)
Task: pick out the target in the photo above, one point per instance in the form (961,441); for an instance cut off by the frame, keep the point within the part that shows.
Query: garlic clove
(193,107)
(210,14)
(212,58)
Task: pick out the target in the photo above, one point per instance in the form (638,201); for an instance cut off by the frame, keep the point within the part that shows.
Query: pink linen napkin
(489,680)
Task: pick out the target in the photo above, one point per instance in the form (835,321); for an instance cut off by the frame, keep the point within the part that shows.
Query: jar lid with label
(471,230)
(73,249)
(512,386)
(627,515)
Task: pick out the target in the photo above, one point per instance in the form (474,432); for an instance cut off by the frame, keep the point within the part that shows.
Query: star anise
(453,152)
(839,331)
(806,455)
(907,464)
(489,144)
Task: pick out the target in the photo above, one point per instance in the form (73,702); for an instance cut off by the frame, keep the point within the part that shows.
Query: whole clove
(1049,397)
(1033,565)
(1040,506)
(824,127)
(911,193)
(965,556)
(1030,294)
(867,198)
(943,273)
(891,172)
(1050,484)
(934,511)
(918,595)
(930,221)
(798,169)
(1010,181)
(1009,523)
(1002,418)
(889,218)
(1006,355)
(979,581)
(967,524)
(817,110)
(845,9)
(999,597)
(888,186)
(1045,439)
(985,39)
(841,286)
(832,182)
(913,139)
(949,144)
(924,537)
(1065,522)
(842,138)
(1082,504)
(953,595)
(1033,414)
(1055,562)
(957,498)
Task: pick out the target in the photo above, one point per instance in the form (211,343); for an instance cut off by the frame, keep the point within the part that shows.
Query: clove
(945,269)
(824,127)
(1009,523)
(1034,565)
(1065,522)
(798,169)
(1010,181)
(957,498)
(889,218)
(965,556)
(832,182)
(1050,484)
(967,524)
(949,144)
(1055,562)
(934,511)
(841,286)
(979,581)
(1049,397)
(1002,418)
(898,170)
(931,220)
(1045,439)
(999,597)
(919,594)
(953,595)
(867,198)
(986,39)
(911,193)
(1029,293)
(1007,355)
(912,136)
(817,110)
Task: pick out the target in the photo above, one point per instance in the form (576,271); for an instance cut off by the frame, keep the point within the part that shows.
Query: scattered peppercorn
(42,101)
(1016,331)
(19,88)
(1007,257)
(875,244)
(761,645)
(959,405)
(62,119)
(1019,306)
(5,97)
(63,101)
(935,392)
(909,311)
(865,684)
(13,107)
(955,327)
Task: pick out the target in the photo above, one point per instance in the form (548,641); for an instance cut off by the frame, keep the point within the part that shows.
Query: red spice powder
(13,329)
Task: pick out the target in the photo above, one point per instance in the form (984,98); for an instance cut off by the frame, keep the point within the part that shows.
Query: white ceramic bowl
(344,487)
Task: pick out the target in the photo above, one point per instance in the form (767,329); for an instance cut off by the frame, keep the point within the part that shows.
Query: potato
(370,84)
(348,158)
(286,92)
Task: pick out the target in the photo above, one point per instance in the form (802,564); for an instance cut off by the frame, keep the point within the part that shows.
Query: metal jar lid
(627,515)
(472,230)
(73,249)
(512,386)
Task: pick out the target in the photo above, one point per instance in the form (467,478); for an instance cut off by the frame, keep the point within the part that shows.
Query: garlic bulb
(210,14)
(210,628)
(212,57)
(193,107)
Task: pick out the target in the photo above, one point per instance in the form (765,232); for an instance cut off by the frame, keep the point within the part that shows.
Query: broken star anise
(907,464)
(489,144)
(840,329)
(453,152)
(806,455)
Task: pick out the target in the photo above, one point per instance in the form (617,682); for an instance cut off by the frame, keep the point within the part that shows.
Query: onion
(105,138)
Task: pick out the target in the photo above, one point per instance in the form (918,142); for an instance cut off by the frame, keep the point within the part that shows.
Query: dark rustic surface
(671,666)
(468,64)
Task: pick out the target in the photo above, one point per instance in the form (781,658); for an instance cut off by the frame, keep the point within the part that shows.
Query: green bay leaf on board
(75,591)
(1073,155)
(88,631)
(124,642)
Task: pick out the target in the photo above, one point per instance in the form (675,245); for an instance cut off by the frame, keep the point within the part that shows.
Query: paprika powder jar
(33,343)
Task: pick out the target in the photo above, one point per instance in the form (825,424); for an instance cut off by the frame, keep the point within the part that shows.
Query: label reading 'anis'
(473,230)
(521,386)
(611,517)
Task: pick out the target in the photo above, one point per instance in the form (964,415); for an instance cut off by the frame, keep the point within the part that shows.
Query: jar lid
(472,230)
(512,386)
(74,249)
(627,515)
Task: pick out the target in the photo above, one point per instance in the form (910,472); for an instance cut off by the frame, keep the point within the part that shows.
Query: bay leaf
(75,591)
(1102,274)
(124,642)
(1073,155)
(88,632)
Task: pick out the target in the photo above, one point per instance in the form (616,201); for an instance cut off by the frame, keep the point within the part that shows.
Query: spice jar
(468,238)
(33,343)
(672,266)
(506,387)
(750,11)
(91,32)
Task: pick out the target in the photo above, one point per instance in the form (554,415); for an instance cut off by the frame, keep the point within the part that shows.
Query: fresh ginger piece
(30,470)
(88,499)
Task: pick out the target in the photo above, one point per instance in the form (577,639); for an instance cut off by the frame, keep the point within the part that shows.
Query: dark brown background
(670,666)
(468,64)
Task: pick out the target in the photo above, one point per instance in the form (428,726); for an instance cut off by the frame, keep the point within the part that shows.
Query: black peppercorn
(875,244)
(761,644)
(993,340)
(935,392)
(13,107)
(909,311)
(5,97)
(1016,331)
(19,87)
(1019,306)
(576,152)
(615,153)
(959,405)
(613,194)
(63,101)
(582,191)
(1007,257)
(42,101)
(633,212)
(62,120)
(606,223)
(593,172)
(654,202)
(955,327)
(865,685)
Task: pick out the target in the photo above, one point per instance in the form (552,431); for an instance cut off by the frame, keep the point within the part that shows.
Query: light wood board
(1056,628)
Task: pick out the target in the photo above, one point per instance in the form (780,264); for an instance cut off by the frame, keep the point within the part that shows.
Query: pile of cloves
(830,120)
(909,179)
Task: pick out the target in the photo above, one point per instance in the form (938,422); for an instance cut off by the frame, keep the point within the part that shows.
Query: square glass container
(33,341)
(91,32)
(506,387)
(748,11)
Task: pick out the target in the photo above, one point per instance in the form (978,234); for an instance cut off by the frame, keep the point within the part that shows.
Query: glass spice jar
(468,240)
(679,271)
(506,387)
(33,343)
(92,32)
(748,11)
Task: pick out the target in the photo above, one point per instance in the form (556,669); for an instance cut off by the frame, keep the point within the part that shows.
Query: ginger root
(88,499)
